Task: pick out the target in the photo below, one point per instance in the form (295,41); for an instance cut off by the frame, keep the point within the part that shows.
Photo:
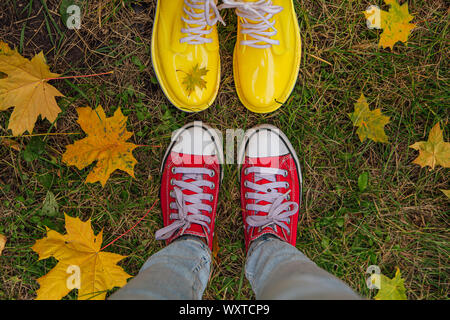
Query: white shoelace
(188,213)
(278,213)
(198,34)
(256,18)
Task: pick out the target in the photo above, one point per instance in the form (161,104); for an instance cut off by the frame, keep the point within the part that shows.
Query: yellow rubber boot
(185,52)
(267,52)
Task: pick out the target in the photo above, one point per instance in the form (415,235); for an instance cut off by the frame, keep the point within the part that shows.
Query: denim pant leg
(180,271)
(278,270)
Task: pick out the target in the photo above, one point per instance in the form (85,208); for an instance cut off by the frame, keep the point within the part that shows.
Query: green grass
(399,220)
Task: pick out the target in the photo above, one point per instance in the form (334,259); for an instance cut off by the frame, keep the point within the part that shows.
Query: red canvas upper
(285,162)
(192,161)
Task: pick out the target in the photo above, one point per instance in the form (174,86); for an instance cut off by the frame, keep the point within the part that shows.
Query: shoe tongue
(193,161)
(259,163)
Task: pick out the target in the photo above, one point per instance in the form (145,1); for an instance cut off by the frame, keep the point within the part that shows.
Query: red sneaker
(271,185)
(191,175)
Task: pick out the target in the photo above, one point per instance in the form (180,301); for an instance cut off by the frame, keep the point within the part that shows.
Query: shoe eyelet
(288,198)
(212,186)
(269,190)
(211,198)
(246,195)
(173,170)
(246,171)
(212,173)
(172,182)
(285,173)
(287,185)
(245,183)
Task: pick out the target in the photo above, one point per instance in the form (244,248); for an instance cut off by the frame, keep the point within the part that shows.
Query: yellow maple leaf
(391,289)
(5,49)
(2,243)
(434,151)
(79,250)
(395,23)
(370,123)
(26,89)
(194,79)
(105,143)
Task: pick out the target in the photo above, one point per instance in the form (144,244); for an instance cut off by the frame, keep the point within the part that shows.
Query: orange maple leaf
(105,143)
(2,243)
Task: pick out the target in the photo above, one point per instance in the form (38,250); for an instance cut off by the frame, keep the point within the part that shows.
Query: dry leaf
(395,23)
(105,143)
(26,89)
(11,144)
(370,123)
(78,250)
(2,243)
(194,78)
(215,247)
(5,49)
(434,151)
(391,289)
(446,192)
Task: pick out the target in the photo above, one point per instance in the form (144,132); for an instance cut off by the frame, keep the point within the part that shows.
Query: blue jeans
(275,269)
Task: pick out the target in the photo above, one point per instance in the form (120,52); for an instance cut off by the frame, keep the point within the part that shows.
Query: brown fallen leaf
(11,144)
(2,243)
(215,247)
